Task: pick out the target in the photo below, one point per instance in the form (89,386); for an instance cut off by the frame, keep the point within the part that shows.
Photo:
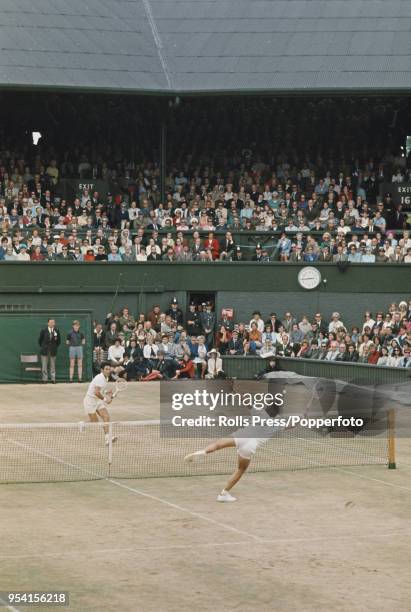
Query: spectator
(186,368)
(75,341)
(335,323)
(4,245)
(333,351)
(305,325)
(201,355)
(343,354)
(116,353)
(162,369)
(207,320)
(175,312)
(223,339)
(214,365)
(255,337)
(257,320)
(314,351)
(235,345)
(405,360)
(36,254)
(113,329)
(99,344)
(89,256)
(22,254)
(296,335)
(114,255)
(373,355)
(126,319)
(288,322)
(10,255)
(407,257)
(353,256)
(49,341)
(352,355)
(150,350)
(101,254)
(394,358)
(310,256)
(383,359)
(284,347)
(304,351)
(267,349)
(64,254)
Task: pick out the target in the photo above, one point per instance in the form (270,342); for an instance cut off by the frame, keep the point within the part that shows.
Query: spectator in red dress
(212,243)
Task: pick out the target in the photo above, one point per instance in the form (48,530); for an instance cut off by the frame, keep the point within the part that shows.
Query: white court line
(345,471)
(138,492)
(400,464)
(11,608)
(195,545)
(388,484)
(178,507)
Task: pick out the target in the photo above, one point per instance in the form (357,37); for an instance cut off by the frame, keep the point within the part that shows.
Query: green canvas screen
(19,334)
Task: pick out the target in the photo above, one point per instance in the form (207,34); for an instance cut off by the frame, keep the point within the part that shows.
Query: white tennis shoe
(225,496)
(195,456)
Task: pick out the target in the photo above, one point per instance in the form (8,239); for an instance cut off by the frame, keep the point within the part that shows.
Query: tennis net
(77,451)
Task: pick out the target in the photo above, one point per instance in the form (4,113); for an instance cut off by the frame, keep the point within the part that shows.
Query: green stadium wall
(100,287)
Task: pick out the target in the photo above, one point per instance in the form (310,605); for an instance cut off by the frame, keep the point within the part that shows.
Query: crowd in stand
(303,203)
(314,220)
(170,344)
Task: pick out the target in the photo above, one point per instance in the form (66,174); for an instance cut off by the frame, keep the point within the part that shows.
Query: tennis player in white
(246,448)
(98,397)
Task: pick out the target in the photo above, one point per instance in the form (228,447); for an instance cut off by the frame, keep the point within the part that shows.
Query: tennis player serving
(97,398)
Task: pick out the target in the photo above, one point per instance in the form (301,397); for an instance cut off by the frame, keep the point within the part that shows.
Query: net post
(391,439)
(110,443)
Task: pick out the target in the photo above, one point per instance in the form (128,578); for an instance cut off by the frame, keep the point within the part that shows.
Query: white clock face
(309,277)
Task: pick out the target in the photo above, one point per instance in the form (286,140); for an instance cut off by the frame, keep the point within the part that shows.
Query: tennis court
(335,538)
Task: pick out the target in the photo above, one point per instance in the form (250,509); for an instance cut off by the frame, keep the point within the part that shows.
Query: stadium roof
(206,46)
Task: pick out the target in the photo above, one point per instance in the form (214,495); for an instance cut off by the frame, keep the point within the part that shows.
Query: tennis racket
(114,388)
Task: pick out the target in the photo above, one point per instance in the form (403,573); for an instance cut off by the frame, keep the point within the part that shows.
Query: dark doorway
(201,297)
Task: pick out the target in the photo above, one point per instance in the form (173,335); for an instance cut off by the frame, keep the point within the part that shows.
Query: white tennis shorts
(91,405)
(247,447)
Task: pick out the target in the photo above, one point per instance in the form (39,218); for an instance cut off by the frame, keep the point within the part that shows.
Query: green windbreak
(19,334)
